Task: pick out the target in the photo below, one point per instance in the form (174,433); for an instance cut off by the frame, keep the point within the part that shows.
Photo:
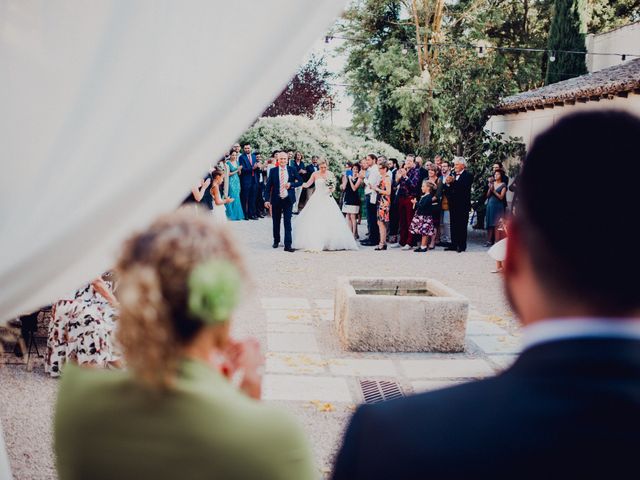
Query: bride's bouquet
(331,182)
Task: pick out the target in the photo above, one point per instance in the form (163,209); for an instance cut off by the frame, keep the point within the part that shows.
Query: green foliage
(568,31)
(311,137)
(465,91)
(390,95)
(379,73)
(605,15)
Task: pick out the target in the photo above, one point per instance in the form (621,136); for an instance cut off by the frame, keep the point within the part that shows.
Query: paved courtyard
(289,307)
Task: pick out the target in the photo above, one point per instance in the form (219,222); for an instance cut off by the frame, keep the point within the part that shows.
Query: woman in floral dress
(82,329)
(384,203)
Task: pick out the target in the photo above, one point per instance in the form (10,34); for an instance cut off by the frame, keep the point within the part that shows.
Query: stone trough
(399,315)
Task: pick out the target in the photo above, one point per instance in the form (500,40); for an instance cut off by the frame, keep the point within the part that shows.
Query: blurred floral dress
(384,202)
(82,330)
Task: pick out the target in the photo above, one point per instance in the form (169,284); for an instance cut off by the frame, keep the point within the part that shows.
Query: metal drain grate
(375,391)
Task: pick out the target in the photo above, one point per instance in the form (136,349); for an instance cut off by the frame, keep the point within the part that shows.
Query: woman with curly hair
(189,404)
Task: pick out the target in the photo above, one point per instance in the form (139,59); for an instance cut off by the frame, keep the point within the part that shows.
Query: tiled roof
(618,80)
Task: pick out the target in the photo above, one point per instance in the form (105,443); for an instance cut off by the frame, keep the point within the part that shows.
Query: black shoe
(450,248)
(246,218)
(289,249)
(367,243)
(420,250)
(275,244)
(443,244)
(460,250)
(381,247)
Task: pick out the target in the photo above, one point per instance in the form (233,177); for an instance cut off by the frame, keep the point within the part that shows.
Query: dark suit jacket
(248,174)
(565,409)
(459,192)
(272,188)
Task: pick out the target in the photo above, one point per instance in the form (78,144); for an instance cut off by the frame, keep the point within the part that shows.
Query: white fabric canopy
(111,110)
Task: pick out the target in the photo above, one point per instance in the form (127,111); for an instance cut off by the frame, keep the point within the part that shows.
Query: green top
(109,426)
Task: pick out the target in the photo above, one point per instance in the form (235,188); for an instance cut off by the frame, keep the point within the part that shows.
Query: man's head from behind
(556,264)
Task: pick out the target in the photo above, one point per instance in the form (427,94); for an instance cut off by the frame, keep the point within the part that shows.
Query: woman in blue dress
(234,209)
(495,205)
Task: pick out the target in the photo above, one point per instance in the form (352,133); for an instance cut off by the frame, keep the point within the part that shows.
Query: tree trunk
(425,128)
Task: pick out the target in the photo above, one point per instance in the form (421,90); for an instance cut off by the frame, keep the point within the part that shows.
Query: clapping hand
(228,200)
(206,183)
(414,201)
(287,186)
(450,179)
(245,359)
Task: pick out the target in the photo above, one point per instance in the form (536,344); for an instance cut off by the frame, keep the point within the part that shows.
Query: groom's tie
(283,190)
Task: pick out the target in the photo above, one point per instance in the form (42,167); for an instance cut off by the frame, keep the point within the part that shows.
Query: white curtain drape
(110,110)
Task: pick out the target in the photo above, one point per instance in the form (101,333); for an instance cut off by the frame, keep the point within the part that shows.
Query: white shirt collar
(568,328)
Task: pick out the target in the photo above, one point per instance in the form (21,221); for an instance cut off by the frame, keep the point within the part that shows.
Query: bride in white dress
(320,225)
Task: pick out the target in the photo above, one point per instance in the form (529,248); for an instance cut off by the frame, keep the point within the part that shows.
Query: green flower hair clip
(214,291)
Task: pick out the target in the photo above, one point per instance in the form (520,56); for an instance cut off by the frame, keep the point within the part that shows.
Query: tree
(395,56)
(308,92)
(568,30)
(605,15)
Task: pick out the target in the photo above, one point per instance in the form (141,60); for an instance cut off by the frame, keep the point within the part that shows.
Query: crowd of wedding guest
(411,204)
(419,205)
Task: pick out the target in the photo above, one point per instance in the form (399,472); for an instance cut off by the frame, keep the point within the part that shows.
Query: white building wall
(621,40)
(528,125)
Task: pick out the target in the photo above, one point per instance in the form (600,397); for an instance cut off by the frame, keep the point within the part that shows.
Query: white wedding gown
(320,225)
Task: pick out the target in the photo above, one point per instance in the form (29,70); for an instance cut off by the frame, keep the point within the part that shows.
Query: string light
(480,48)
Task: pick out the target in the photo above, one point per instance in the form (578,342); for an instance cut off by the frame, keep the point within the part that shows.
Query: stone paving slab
(363,367)
(305,388)
(285,303)
(290,327)
(284,316)
(480,327)
(497,344)
(446,368)
(421,386)
(295,363)
(503,361)
(292,342)
(324,303)
(326,315)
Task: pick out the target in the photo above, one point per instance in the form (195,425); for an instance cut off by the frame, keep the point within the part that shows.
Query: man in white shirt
(570,405)
(371,179)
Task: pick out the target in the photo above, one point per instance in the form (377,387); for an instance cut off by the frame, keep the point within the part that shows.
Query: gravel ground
(27,398)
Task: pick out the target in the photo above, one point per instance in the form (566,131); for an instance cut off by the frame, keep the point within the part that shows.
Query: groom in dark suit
(570,405)
(280,195)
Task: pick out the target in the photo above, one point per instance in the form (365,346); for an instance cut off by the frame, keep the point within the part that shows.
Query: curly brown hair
(153,271)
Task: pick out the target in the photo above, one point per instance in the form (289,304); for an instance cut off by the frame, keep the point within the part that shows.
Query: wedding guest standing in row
(422,223)
(219,203)
(408,187)
(496,194)
(384,203)
(458,191)
(434,179)
(352,203)
(298,164)
(371,180)
(234,209)
(249,183)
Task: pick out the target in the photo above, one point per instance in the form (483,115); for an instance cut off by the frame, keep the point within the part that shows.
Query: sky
(335,63)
